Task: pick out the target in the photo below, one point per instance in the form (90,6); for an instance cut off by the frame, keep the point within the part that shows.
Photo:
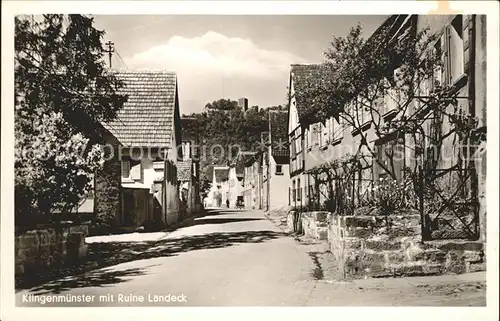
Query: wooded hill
(224,124)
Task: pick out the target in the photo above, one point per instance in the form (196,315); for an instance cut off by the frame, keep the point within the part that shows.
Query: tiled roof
(184,170)
(304,76)
(146,118)
(279,135)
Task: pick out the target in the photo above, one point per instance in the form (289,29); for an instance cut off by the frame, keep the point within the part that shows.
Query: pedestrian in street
(227,203)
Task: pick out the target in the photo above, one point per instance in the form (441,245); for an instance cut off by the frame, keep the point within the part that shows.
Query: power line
(119,56)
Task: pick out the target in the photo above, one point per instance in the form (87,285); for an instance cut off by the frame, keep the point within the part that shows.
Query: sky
(226,56)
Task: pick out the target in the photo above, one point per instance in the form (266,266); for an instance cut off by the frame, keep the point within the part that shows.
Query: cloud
(215,66)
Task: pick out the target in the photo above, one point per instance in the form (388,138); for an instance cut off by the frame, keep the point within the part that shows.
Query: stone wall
(310,224)
(375,246)
(315,224)
(44,248)
(294,222)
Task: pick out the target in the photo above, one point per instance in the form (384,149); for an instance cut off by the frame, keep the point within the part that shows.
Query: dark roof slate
(278,122)
(147,116)
(303,76)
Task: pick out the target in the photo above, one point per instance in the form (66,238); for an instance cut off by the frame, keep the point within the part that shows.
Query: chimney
(243,103)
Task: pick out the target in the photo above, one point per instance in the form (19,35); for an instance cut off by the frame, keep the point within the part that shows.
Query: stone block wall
(315,224)
(310,224)
(294,222)
(44,248)
(375,246)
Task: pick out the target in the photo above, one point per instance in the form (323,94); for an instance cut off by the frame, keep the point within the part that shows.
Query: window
(363,111)
(392,155)
(451,47)
(294,191)
(337,130)
(325,138)
(456,48)
(126,169)
(279,170)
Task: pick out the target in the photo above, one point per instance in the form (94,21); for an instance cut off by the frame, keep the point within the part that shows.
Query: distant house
(276,175)
(296,131)
(236,178)
(148,131)
(220,187)
(253,190)
(188,171)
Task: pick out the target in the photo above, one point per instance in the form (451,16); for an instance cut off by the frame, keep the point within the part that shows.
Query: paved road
(234,258)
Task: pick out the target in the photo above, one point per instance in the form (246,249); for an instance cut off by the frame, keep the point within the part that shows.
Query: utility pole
(110,50)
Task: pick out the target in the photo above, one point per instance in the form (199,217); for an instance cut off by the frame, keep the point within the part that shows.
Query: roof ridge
(143,70)
(307,64)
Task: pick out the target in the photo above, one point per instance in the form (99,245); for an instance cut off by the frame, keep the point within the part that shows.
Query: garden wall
(310,224)
(47,247)
(379,246)
(373,246)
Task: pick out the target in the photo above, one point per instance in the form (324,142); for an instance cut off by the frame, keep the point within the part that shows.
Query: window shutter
(467,32)
(136,172)
(125,169)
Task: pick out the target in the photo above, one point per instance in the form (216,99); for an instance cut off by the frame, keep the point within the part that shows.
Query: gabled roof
(184,170)
(147,117)
(278,122)
(304,76)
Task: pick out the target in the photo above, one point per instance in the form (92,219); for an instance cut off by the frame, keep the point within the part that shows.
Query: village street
(241,258)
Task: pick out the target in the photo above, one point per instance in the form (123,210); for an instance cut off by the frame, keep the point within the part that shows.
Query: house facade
(461,42)
(275,171)
(188,172)
(253,182)
(296,133)
(219,190)
(235,185)
(148,131)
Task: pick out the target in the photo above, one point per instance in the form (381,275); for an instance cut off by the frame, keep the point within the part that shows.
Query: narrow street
(240,258)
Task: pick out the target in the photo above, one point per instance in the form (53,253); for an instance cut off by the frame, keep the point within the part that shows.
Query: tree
(222,104)
(62,94)
(223,133)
